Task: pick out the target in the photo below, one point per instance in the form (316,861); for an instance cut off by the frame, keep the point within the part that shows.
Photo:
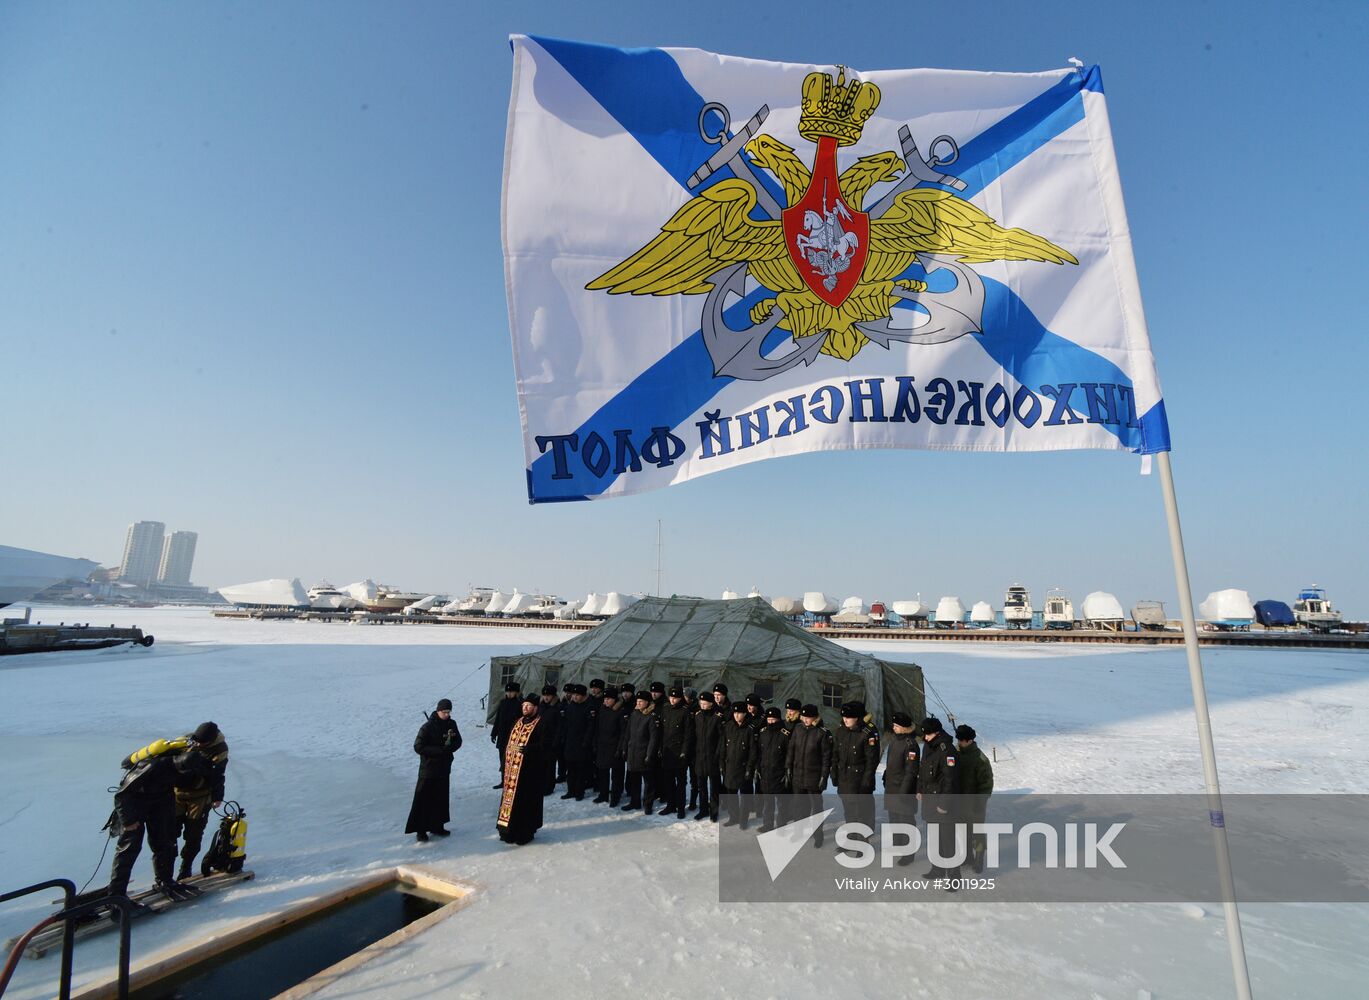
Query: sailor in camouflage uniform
(976,785)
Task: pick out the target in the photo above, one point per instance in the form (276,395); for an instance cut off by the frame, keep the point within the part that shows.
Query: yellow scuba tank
(155,749)
(237,837)
(228,850)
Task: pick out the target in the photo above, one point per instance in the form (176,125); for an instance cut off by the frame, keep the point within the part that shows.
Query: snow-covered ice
(321,717)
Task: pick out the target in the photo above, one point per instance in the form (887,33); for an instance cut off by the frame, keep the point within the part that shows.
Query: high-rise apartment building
(178,554)
(142,552)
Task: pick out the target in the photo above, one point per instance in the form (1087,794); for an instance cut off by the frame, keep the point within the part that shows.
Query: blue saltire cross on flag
(713,260)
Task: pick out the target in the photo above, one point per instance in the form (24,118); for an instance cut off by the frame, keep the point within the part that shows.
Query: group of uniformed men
(699,751)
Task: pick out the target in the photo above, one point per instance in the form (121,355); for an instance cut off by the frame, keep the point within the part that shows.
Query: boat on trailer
(1059,611)
(982,615)
(1228,610)
(1017,607)
(1103,611)
(1313,610)
(950,613)
(1150,616)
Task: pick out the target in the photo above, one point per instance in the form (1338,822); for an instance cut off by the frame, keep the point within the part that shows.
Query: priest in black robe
(525,761)
(438,739)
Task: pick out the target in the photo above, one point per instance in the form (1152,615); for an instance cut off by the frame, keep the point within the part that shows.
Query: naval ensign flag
(713,260)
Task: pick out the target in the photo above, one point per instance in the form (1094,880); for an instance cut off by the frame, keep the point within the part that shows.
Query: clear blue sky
(251,285)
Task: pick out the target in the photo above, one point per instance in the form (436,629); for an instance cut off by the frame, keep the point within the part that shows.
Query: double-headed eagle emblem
(837,268)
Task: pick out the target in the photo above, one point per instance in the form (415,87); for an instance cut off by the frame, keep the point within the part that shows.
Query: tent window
(765,690)
(552,676)
(680,681)
(831,695)
(507,674)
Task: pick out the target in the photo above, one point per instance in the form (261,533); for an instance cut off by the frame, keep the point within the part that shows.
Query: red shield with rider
(827,239)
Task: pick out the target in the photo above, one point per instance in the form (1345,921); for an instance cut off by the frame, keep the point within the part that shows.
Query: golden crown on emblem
(837,109)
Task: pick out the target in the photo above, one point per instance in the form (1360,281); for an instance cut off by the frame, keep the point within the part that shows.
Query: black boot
(601,799)
(421,837)
(701,814)
(175,890)
(442,831)
(187,869)
(568,795)
(666,810)
(632,807)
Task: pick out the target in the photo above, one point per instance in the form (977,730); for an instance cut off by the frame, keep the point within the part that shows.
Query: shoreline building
(178,555)
(142,553)
(156,567)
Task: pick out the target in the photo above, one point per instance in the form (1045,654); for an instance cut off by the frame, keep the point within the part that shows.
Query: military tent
(743,643)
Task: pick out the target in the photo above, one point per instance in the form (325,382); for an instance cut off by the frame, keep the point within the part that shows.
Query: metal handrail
(68,888)
(69,914)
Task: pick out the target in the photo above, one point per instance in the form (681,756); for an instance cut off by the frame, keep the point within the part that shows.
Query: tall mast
(658,557)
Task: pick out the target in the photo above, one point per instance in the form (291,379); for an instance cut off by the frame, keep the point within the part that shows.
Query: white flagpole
(1234,939)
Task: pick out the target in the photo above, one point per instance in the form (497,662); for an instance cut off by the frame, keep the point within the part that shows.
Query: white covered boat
(1313,610)
(1058,611)
(589,607)
(363,593)
(567,612)
(519,604)
(615,602)
(787,606)
(546,605)
(949,611)
(1227,609)
(730,595)
(855,604)
(495,604)
(473,603)
(815,602)
(911,610)
(276,593)
(755,592)
(1150,616)
(851,619)
(325,597)
(391,601)
(982,614)
(25,573)
(1104,611)
(1017,607)
(429,603)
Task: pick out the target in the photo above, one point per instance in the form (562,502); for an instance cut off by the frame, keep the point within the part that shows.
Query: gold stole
(513,765)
